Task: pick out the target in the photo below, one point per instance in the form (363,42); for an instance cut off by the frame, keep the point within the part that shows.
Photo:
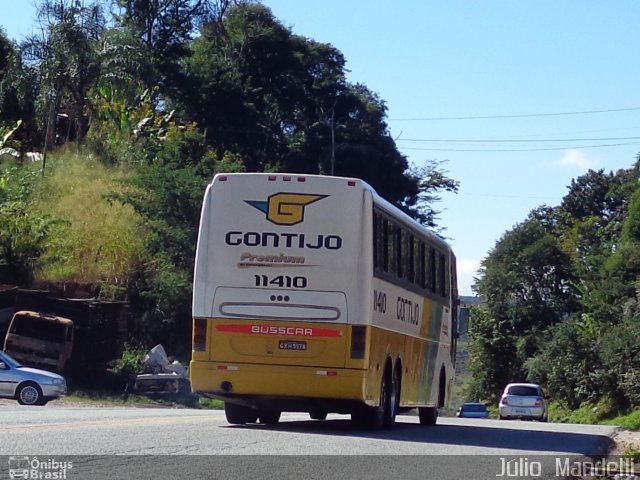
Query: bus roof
(380,202)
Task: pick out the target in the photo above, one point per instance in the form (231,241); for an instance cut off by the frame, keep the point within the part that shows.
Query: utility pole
(333,138)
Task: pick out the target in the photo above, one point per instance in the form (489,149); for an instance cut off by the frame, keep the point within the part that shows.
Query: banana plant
(5,136)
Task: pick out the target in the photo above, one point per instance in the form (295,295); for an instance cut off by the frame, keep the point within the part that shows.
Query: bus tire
(238,414)
(391,400)
(318,415)
(428,415)
(269,417)
(374,418)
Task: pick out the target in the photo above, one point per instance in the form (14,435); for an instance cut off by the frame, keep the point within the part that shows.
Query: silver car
(523,400)
(29,386)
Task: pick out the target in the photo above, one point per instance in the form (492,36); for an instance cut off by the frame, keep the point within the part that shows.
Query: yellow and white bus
(314,294)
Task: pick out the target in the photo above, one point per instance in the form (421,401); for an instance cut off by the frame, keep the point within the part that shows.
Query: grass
(110,399)
(630,421)
(95,240)
(210,403)
(632,453)
(601,413)
(95,397)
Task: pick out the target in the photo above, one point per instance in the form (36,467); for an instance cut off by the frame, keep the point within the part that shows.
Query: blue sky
(444,67)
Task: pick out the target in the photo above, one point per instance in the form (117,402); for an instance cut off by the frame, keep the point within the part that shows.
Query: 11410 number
(283,281)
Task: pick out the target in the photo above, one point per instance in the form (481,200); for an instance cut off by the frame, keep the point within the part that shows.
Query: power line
(493,195)
(507,140)
(519,149)
(524,115)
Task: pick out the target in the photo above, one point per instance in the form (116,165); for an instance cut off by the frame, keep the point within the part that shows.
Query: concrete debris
(159,375)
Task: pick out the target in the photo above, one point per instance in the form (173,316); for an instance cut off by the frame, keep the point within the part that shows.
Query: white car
(29,386)
(523,400)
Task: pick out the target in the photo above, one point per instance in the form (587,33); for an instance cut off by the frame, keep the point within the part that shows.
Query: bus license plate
(292,345)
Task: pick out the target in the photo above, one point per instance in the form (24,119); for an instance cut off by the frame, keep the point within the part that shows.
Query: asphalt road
(181,443)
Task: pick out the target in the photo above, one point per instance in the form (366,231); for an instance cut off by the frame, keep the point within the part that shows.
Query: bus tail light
(199,335)
(358,341)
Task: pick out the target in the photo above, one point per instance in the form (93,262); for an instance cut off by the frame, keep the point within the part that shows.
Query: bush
(95,240)
(131,361)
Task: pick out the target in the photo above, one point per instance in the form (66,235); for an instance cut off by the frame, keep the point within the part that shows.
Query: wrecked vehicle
(39,340)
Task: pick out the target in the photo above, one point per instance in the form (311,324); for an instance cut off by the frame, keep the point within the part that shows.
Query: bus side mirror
(463,321)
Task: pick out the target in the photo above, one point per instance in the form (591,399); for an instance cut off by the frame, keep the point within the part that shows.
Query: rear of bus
(279,290)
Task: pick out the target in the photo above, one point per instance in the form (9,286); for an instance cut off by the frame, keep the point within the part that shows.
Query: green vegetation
(137,111)
(131,361)
(630,421)
(95,239)
(601,412)
(104,397)
(562,306)
(210,403)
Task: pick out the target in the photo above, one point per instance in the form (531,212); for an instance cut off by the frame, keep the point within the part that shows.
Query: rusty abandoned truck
(39,340)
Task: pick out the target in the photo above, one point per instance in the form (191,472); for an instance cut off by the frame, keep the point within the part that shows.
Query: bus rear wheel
(428,415)
(384,415)
(391,401)
(318,415)
(269,417)
(239,414)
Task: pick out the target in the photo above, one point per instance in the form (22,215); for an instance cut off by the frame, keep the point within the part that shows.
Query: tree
(66,59)
(165,28)
(565,281)
(281,101)
(166,189)
(17,94)
(527,283)
(568,363)
(24,232)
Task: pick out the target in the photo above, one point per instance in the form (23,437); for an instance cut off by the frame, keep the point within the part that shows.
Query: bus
(313,294)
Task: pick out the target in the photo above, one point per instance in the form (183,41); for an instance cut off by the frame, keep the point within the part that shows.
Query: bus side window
(401,272)
(409,253)
(419,263)
(378,242)
(392,248)
(406,256)
(431,271)
(441,278)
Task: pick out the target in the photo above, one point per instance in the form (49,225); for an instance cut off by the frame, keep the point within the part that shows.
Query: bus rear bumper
(228,381)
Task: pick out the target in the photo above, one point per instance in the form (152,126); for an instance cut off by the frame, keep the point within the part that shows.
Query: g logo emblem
(285,208)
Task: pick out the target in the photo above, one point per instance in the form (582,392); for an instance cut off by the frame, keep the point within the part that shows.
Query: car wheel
(30,393)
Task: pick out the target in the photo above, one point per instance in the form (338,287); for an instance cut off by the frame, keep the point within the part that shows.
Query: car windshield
(9,361)
(523,391)
(474,408)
